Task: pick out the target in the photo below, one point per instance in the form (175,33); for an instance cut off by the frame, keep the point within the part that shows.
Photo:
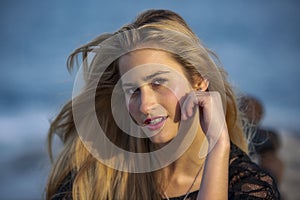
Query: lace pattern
(247,181)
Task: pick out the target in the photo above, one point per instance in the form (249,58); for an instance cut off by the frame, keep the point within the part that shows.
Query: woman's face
(154,85)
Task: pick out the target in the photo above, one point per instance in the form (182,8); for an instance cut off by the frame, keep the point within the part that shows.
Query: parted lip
(154,120)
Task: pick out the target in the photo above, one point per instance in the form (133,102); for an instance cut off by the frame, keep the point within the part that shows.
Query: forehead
(145,58)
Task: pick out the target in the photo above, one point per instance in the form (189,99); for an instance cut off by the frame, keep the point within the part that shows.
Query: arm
(214,184)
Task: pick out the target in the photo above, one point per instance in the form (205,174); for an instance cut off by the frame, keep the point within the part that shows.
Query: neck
(183,172)
(190,159)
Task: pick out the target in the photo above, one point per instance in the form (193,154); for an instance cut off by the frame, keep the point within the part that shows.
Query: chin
(160,141)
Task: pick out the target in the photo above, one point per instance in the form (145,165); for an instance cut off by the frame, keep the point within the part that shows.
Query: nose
(147,99)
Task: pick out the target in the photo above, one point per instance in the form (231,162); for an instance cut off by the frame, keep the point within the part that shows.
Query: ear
(201,84)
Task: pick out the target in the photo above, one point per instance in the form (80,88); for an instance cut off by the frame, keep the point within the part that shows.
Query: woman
(155,118)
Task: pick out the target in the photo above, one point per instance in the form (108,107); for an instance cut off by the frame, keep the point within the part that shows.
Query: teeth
(155,121)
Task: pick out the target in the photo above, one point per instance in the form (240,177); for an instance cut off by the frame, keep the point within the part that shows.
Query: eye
(158,82)
(132,91)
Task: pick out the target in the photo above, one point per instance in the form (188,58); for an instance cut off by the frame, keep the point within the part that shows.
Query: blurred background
(257,42)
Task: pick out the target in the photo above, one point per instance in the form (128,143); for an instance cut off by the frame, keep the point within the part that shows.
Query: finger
(203,98)
(213,114)
(187,108)
(205,105)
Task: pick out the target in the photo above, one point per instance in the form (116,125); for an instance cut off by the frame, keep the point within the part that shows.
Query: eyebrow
(147,77)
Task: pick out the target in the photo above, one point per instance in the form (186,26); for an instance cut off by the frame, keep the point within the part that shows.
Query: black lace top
(247,181)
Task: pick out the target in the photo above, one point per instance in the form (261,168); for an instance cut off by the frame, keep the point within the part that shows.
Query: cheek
(180,90)
(132,106)
(172,105)
(175,99)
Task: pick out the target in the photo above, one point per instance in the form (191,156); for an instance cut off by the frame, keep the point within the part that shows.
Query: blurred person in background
(265,142)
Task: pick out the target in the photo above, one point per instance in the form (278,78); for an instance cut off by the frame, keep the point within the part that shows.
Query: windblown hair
(91,178)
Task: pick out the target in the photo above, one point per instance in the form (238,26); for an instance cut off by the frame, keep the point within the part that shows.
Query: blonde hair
(92,179)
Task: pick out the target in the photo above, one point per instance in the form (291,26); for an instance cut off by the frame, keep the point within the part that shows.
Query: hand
(211,115)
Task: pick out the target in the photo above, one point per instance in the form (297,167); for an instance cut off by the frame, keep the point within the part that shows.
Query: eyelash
(156,83)
(131,91)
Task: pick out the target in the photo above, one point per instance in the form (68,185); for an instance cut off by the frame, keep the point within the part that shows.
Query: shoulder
(247,180)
